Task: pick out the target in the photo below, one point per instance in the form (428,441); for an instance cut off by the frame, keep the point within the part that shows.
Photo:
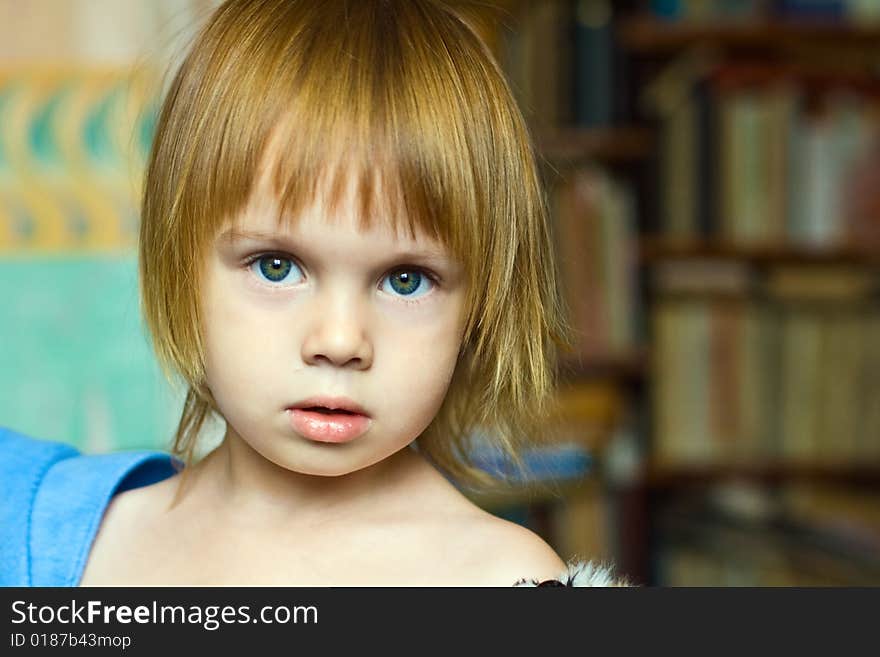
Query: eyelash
(435,280)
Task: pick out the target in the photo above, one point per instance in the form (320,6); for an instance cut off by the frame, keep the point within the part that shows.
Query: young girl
(345,255)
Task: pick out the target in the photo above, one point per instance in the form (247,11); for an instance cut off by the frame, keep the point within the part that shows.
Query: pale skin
(271,507)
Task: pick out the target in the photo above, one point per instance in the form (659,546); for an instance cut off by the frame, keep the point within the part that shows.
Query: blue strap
(24,462)
(70,504)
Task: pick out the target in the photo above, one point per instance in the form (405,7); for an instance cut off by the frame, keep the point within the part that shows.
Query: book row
(765,155)
(696,10)
(799,535)
(594,221)
(765,382)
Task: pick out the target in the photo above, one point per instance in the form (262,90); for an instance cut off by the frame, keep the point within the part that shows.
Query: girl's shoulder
(510,552)
(487,550)
(512,555)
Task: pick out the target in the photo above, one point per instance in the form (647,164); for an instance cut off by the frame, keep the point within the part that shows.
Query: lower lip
(327,428)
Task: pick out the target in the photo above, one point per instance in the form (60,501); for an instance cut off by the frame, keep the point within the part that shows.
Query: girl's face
(323,310)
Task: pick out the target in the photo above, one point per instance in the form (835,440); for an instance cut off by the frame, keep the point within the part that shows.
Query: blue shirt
(52,501)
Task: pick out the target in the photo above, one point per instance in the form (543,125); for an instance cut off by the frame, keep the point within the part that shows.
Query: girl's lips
(327,402)
(328,427)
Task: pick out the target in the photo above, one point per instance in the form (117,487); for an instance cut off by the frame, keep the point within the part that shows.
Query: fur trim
(579,573)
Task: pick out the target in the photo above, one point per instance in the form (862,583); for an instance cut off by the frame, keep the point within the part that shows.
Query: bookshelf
(728,164)
(751,307)
(861,475)
(630,368)
(572,146)
(647,34)
(655,251)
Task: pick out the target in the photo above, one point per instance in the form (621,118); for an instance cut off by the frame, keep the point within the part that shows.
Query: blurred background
(713,170)
(80,82)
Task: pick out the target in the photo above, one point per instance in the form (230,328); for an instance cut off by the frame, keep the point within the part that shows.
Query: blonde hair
(405,88)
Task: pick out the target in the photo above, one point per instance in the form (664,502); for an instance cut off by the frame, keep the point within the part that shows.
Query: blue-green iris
(408,280)
(275,269)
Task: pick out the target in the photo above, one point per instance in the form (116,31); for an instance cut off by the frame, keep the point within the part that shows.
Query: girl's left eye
(272,268)
(407,282)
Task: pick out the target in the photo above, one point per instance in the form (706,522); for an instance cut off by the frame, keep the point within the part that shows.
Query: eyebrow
(233,235)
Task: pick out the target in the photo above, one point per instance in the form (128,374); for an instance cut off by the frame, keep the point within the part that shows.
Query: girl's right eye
(274,269)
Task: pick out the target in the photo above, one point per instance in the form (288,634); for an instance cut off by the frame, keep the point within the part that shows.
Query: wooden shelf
(628,368)
(867,475)
(662,250)
(647,34)
(573,144)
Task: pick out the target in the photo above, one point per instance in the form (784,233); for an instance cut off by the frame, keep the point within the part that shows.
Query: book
(841,378)
(725,405)
(868,441)
(681,399)
(678,170)
(536,54)
(757,358)
(593,63)
(619,264)
(671,97)
(577,206)
(820,283)
(702,276)
(594,236)
(581,527)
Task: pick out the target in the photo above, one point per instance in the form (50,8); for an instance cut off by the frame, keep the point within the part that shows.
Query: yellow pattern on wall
(73,146)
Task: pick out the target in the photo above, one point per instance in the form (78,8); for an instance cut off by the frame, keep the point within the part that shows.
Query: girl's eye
(407,282)
(273,268)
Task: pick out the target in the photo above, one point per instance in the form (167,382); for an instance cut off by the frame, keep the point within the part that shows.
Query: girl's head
(342,200)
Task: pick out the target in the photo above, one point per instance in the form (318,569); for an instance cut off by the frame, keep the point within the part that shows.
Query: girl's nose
(338,334)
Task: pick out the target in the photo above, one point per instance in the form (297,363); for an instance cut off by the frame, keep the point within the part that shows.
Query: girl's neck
(237,481)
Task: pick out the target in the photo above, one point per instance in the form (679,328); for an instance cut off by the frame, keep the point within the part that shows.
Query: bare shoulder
(479,548)
(126,532)
(138,505)
(129,509)
(511,552)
